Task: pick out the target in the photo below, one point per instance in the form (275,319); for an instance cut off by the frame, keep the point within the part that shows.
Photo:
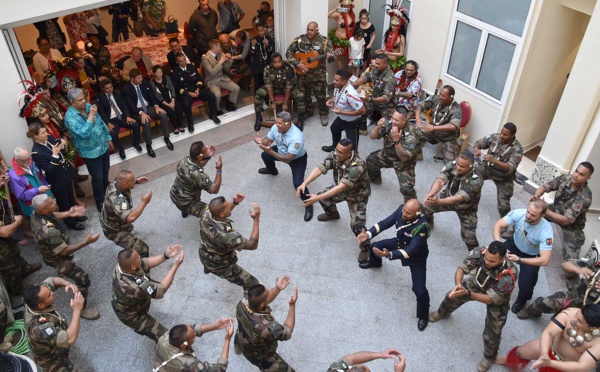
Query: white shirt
(113,114)
(139,104)
(347,100)
(356,48)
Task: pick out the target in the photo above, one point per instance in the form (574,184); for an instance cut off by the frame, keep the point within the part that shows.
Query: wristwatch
(519,260)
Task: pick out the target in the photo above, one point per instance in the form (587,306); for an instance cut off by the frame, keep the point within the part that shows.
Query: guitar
(311,59)
(428,112)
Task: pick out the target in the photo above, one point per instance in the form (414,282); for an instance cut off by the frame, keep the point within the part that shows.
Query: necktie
(114,107)
(141,98)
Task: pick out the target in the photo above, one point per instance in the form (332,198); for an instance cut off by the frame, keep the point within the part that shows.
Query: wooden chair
(280,99)
(462,136)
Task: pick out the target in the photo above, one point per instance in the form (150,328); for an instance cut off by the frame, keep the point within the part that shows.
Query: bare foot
(500,360)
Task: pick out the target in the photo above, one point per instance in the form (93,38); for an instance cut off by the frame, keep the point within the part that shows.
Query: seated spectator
(190,54)
(42,59)
(189,86)
(80,49)
(113,74)
(260,55)
(242,43)
(87,77)
(239,65)
(138,61)
(100,54)
(215,64)
(165,94)
(116,115)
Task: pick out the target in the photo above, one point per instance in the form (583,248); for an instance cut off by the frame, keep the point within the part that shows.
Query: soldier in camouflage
(174,353)
(571,203)
(312,81)
(190,180)
(462,193)
(500,163)
(279,79)
(382,96)
(258,331)
(491,281)
(117,214)
(49,334)
(352,186)
(55,247)
(132,290)
(445,126)
(354,362)
(400,147)
(219,242)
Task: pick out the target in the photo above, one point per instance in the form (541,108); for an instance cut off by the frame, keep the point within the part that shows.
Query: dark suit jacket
(131,98)
(186,81)
(104,105)
(189,52)
(59,172)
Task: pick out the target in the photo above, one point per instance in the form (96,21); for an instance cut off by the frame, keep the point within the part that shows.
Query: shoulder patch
(549,241)
(297,146)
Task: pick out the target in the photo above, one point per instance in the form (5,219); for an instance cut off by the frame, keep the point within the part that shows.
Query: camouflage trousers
(494,322)
(313,84)
(142,323)
(233,273)
(357,209)
(68,269)
(406,176)
(552,304)
(449,148)
(127,240)
(504,190)
(572,242)
(264,362)
(195,209)
(467,218)
(57,364)
(262,95)
(12,269)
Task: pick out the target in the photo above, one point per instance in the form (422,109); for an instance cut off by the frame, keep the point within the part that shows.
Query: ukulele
(428,112)
(311,59)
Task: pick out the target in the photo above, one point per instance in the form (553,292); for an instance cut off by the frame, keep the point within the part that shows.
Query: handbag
(171,26)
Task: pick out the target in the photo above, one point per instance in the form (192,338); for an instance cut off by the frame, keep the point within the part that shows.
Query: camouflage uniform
(498,283)
(188,185)
(117,206)
(183,360)
(510,153)
(131,296)
(442,115)
(13,267)
(383,84)
(51,238)
(353,173)
(279,80)
(219,243)
(467,186)
(572,204)
(314,81)
(341,365)
(47,335)
(387,157)
(257,336)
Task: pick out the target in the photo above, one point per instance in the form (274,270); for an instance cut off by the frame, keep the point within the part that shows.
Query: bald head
(217,206)
(125,180)
(224,39)
(411,210)
(128,260)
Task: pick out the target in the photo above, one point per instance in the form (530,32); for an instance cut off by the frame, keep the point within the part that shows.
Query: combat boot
(257,122)
(435,316)
(525,314)
(363,256)
(90,314)
(328,216)
(324,120)
(484,364)
(300,124)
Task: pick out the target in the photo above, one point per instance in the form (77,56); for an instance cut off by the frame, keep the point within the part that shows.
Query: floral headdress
(398,14)
(30,100)
(349,4)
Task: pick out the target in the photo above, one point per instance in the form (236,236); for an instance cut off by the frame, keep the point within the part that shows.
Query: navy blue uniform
(189,80)
(409,246)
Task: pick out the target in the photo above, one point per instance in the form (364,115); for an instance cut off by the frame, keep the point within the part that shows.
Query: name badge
(124,206)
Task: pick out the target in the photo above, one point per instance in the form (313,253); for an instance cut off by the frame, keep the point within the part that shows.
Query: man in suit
(143,106)
(189,53)
(115,113)
(138,61)
(215,63)
(189,86)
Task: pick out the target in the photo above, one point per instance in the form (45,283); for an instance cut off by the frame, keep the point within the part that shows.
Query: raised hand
(282,283)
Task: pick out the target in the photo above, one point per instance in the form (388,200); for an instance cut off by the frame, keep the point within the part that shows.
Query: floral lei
(389,43)
(336,40)
(405,82)
(350,32)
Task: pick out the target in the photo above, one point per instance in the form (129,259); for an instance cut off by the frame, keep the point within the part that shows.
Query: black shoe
(422,324)
(150,151)
(77,226)
(191,127)
(257,123)
(219,113)
(230,106)
(369,264)
(518,305)
(267,171)
(184,214)
(122,153)
(99,207)
(328,148)
(81,218)
(308,213)
(214,118)
(137,146)
(169,144)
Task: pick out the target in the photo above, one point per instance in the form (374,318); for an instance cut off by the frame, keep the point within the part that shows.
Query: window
(485,44)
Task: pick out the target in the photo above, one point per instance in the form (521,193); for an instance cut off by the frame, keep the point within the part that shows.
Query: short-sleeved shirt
(352,173)
(50,237)
(530,239)
(117,206)
(218,242)
(468,186)
(450,114)
(383,84)
(132,293)
(572,204)
(356,48)
(341,365)
(413,86)
(189,183)
(290,142)
(498,282)
(347,99)
(510,153)
(279,79)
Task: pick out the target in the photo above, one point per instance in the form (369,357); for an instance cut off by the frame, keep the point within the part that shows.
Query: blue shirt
(291,142)
(90,139)
(530,239)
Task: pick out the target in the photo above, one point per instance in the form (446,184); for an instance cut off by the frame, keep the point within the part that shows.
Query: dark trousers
(298,167)
(350,127)
(119,28)
(418,273)
(259,81)
(164,124)
(65,199)
(98,169)
(528,275)
(122,123)
(206,96)
(175,114)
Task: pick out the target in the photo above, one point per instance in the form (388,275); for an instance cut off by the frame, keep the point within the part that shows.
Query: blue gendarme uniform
(410,246)
(290,142)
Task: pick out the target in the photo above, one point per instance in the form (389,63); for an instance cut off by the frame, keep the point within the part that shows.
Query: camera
(260,14)
(343,10)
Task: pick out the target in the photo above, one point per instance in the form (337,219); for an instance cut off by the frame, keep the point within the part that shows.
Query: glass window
(507,15)
(496,62)
(464,52)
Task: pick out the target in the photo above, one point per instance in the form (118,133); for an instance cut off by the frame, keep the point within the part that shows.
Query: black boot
(300,121)
(257,122)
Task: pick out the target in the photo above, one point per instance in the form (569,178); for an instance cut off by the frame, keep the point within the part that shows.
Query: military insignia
(149,290)
(49,331)
(228,228)
(471,252)
(181,78)
(124,206)
(50,225)
(421,234)
(138,281)
(549,241)
(578,207)
(297,146)
(43,319)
